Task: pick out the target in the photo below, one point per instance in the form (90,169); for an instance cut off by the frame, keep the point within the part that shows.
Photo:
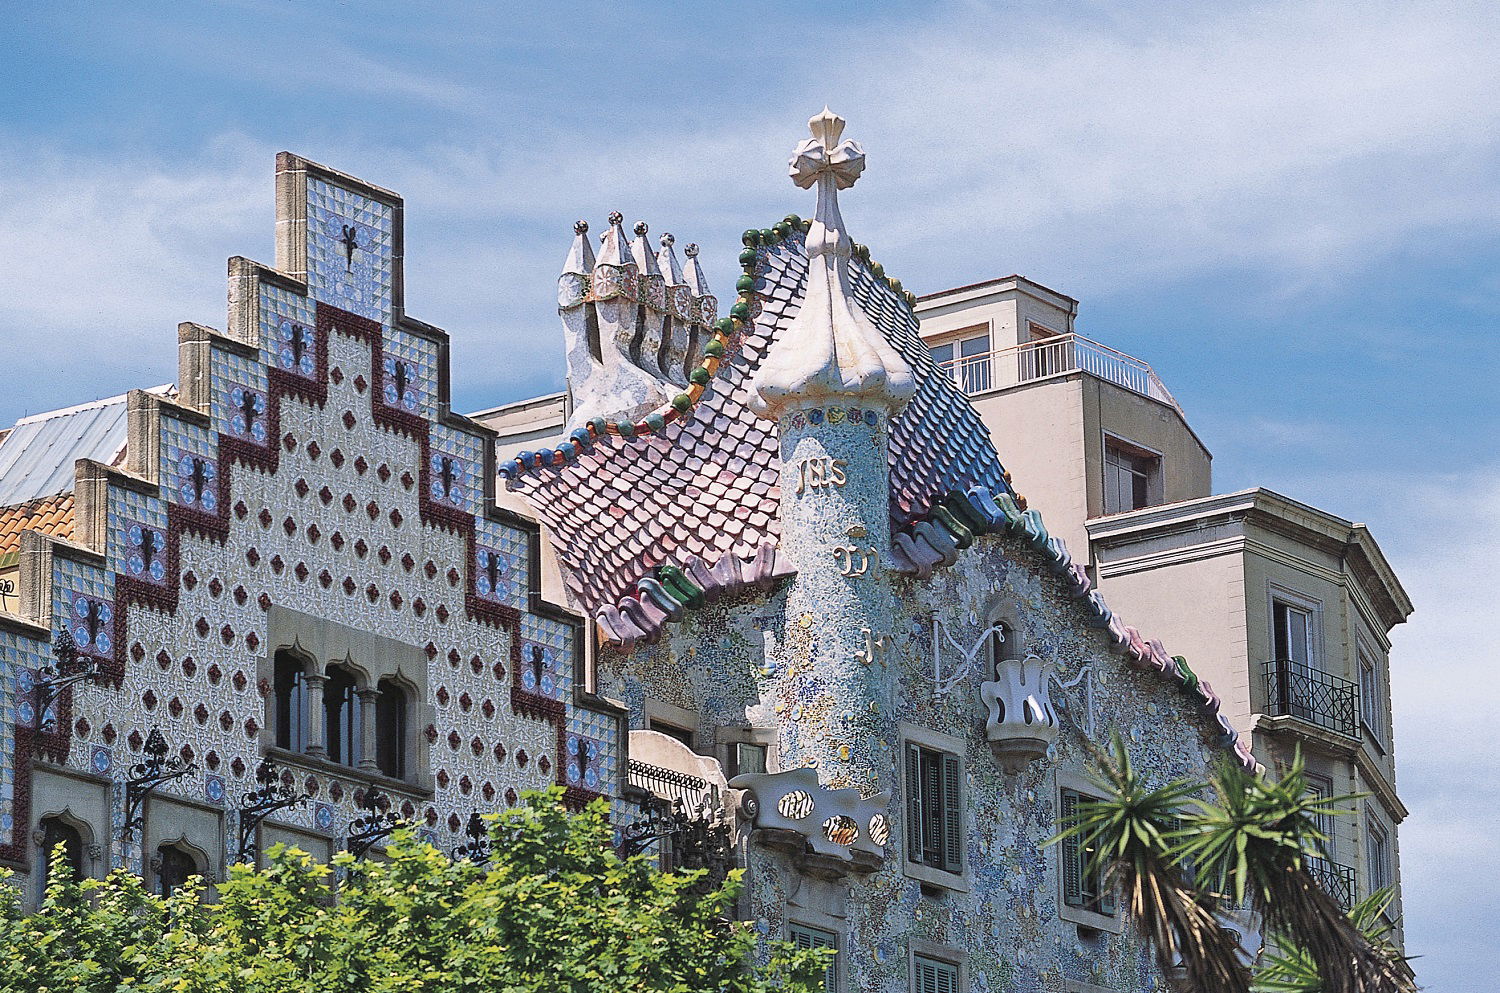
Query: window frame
(392,745)
(196,859)
(1374,711)
(1384,856)
(940,956)
(796,929)
(954,826)
(1151,478)
(1288,597)
(1113,921)
(954,341)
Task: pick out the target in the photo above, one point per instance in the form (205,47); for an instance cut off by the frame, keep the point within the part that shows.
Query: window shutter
(1107,902)
(913,803)
(1070,856)
(934,976)
(926,977)
(952,813)
(807,937)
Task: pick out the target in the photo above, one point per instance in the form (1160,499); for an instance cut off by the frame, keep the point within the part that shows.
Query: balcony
(1294,689)
(1334,879)
(1006,367)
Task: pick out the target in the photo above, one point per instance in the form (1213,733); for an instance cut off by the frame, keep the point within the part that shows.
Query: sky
(1292,211)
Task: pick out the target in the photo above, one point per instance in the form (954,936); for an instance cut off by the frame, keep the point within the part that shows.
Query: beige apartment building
(1286,609)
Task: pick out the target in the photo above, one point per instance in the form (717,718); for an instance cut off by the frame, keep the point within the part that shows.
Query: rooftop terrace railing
(1294,689)
(1007,367)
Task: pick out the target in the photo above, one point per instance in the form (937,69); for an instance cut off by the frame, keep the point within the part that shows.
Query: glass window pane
(942,353)
(974,346)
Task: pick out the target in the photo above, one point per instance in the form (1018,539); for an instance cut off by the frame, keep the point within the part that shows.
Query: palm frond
(1133,833)
(1253,843)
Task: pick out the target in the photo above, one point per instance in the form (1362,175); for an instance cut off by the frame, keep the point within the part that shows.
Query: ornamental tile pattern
(707,485)
(314,475)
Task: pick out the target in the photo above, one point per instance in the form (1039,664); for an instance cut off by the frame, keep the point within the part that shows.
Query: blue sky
(1291,211)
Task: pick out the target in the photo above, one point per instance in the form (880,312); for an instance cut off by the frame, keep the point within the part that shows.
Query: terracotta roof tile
(51,515)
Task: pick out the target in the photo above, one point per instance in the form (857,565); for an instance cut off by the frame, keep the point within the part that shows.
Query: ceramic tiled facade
(309,490)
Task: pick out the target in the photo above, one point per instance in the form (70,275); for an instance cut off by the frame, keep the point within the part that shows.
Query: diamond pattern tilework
(359,282)
(189,465)
(418,360)
(707,485)
(278,307)
(19,657)
(239,397)
(137,536)
(590,750)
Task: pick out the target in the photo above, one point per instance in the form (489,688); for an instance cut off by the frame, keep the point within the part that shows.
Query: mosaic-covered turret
(832,383)
(634,322)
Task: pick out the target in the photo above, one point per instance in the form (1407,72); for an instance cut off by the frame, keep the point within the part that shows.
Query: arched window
(56,831)
(341,721)
(390,729)
(291,702)
(175,864)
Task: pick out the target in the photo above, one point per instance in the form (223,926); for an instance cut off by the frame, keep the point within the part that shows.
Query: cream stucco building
(1286,609)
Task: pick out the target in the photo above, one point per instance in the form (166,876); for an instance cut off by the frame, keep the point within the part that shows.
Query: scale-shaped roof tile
(707,485)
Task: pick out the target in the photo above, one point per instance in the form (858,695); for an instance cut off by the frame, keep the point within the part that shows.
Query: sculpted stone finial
(831,352)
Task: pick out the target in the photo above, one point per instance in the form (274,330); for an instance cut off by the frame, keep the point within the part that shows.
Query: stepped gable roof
(693,486)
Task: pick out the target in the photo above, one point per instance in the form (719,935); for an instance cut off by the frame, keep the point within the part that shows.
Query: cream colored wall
(11,604)
(1038,431)
(1187,467)
(1197,609)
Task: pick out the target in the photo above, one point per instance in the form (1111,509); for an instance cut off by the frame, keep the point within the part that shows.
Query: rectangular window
(748,757)
(934,808)
(1371,696)
(1129,479)
(810,937)
(967,360)
(974,364)
(1082,882)
(1321,789)
(1292,633)
(673,731)
(1377,854)
(935,976)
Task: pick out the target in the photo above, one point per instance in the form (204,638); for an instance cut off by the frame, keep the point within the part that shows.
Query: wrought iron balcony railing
(1007,367)
(1335,879)
(1294,689)
(694,792)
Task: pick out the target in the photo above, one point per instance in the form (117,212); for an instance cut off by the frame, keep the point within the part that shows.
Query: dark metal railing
(1297,690)
(669,784)
(1335,879)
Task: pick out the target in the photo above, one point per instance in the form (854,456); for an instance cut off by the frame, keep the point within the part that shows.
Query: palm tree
(1134,835)
(1288,968)
(1178,857)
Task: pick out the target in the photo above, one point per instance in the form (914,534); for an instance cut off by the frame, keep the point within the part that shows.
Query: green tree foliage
(554,910)
(1178,858)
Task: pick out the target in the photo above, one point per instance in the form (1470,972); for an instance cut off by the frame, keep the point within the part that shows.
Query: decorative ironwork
(685,820)
(1294,689)
(269,796)
(478,848)
(669,784)
(1335,879)
(7,591)
(377,823)
(147,776)
(60,675)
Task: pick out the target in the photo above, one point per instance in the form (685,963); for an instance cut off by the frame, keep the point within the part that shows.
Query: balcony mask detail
(1022,723)
(837,824)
